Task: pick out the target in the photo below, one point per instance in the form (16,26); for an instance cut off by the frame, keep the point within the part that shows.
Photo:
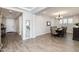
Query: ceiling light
(59,17)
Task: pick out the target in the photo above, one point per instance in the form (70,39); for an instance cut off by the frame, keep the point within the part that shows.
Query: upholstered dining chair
(53,30)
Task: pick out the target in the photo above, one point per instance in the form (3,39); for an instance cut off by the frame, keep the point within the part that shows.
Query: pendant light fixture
(59,17)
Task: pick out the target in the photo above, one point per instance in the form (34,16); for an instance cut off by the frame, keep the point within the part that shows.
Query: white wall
(17,24)
(10,25)
(75,19)
(13,25)
(37,24)
(41,27)
(20,25)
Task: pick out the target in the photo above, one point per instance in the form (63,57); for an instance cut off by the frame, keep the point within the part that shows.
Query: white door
(10,25)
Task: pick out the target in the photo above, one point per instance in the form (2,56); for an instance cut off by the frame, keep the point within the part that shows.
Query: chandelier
(59,17)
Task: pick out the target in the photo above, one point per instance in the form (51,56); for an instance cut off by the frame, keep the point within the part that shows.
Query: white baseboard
(34,36)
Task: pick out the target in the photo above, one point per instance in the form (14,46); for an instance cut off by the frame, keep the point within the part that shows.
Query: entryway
(11,26)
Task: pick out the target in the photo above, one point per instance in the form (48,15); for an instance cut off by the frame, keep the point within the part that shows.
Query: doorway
(10,26)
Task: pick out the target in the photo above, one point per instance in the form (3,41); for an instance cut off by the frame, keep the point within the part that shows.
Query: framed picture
(48,23)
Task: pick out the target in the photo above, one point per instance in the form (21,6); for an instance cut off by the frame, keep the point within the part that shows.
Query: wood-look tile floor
(44,43)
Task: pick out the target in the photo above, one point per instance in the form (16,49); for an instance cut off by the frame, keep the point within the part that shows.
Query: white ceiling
(70,11)
(27,8)
(48,11)
(34,10)
(9,13)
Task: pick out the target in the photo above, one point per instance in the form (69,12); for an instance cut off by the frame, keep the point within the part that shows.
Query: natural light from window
(66,21)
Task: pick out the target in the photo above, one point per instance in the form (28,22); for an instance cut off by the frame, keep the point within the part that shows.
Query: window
(66,21)
(70,20)
(61,22)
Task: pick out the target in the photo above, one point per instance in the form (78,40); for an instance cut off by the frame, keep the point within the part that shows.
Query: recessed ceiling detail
(27,8)
(34,10)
